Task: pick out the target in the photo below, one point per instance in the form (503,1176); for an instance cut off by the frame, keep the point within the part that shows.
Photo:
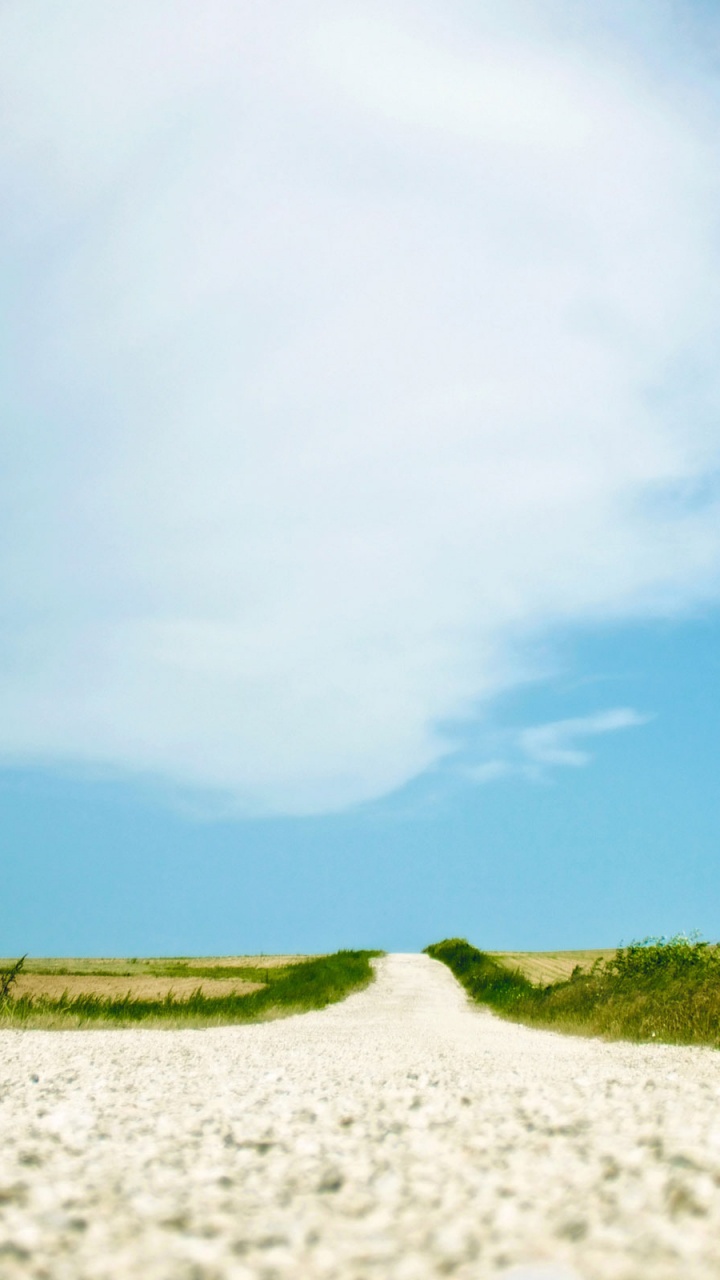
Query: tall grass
(665,989)
(9,977)
(311,984)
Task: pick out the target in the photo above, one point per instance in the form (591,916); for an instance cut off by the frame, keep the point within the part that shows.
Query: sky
(360,541)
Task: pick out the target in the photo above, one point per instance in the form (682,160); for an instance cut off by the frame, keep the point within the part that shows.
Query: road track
(400,1135)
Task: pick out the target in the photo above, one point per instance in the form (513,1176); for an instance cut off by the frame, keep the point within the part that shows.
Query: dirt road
(400,1135)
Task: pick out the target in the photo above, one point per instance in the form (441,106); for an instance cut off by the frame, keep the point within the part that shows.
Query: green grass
(658,989)
(311,984)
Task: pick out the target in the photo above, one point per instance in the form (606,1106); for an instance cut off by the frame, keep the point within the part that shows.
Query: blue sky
(361,542)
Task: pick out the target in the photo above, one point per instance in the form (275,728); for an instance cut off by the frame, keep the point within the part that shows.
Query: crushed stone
(400,1135)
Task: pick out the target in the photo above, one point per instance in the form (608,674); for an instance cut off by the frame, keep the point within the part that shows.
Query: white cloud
(352,354)
(531,752)
(554,743)
(489,771)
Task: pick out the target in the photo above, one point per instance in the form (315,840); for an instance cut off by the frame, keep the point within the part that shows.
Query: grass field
(64,992)
(658,989)
(151,964)
(544,967)
(148,978)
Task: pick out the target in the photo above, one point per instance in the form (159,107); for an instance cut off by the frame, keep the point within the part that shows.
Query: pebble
(400,1135)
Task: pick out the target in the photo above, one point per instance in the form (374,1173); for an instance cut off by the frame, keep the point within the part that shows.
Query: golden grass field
(145,978)
(147,964)
(141,987)
(545,967)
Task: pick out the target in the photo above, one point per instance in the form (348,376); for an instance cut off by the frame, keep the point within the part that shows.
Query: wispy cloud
(356,347)
(532,752)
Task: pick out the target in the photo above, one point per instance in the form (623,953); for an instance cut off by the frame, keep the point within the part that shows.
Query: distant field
(64,992)
(142,987)
(148,978)
(550,966)
(153,978)
(149,964)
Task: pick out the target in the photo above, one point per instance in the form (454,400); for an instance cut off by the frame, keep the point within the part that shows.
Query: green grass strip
(311,984)
(659,989)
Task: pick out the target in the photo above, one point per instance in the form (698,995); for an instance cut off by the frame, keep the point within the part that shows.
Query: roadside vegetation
(248,992)
(662,989)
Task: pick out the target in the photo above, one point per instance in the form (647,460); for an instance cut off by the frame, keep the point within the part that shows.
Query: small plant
(9,978)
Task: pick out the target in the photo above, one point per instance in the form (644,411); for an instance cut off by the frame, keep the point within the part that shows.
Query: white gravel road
(397,1136)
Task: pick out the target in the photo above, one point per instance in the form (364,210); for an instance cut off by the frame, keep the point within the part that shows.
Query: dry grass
(150,965)
(114,986)
(147,977)
(544,967)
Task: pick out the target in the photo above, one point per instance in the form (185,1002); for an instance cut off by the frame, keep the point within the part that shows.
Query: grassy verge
(659,989)
(311,984)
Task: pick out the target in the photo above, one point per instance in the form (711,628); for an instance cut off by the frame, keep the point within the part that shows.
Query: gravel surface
(397,1136)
